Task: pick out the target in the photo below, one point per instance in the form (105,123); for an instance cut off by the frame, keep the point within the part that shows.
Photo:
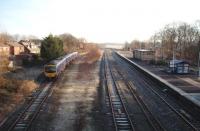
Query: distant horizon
(100,21)
(58,35)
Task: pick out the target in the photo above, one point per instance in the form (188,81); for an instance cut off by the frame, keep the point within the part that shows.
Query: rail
(120,115)
(194,126)
(25,118)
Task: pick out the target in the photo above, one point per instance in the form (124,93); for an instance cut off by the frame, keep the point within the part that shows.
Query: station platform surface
(187,85)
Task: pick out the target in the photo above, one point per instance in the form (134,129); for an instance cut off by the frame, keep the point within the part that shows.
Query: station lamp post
(199,65)
(199,61)
(174,57)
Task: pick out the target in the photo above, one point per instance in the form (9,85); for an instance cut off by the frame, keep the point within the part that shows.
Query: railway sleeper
(116,102)
(124,127)
(26,114)
(122,121)
(116,107)
(125,130)
(23,122)
(32,109)
(20,126)
(37,102)
(119,118)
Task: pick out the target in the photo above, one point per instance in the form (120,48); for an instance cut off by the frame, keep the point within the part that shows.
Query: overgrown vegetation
(4,63)
(88,61)
(71,43)
(92,55)
(12,91)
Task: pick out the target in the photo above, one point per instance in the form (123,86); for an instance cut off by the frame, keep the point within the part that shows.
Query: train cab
(56,66)
(50,71)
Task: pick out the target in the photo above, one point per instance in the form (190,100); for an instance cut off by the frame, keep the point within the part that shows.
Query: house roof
(28,43)
(178,61)
(14,44)
(3,45)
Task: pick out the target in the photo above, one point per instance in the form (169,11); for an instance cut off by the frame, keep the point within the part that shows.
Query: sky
(113,21)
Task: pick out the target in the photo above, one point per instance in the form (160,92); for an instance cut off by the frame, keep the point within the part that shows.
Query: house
(179,66)
(15,48)
(144,54)
(4,49)
(31,46)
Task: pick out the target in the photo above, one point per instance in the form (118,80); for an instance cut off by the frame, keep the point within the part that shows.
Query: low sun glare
(96,20)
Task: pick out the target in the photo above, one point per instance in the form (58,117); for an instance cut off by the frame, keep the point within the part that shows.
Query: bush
(51,48)
(12,93)
(161,62)
(93,55)
(21,87)
(27,86)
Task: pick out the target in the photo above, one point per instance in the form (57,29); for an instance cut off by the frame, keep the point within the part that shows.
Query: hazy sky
(95,20)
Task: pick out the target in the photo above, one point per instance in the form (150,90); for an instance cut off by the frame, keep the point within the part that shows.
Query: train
(55,67)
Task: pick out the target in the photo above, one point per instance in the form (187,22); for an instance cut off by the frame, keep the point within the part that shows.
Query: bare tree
(5,37)
(70,42)
(182,38)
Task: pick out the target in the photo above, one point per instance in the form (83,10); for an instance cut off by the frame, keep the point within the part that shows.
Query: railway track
(121,118)
(24,118)
(168,108)
(149,121)
(195,124)
(153,122)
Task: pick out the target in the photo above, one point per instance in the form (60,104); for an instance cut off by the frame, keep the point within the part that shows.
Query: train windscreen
(50,69)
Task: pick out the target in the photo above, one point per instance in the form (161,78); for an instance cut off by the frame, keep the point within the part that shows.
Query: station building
(144,54)
(179,66)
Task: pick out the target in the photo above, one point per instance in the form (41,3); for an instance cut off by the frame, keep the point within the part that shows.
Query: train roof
(59,60)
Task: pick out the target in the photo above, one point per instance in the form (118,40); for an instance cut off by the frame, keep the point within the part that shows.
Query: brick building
(4,50)
(30,46)
(143,54)
(15,48)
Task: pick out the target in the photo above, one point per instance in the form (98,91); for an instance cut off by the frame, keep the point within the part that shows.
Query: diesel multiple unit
(55,67)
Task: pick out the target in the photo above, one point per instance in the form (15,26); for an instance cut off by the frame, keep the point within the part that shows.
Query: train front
(50,71)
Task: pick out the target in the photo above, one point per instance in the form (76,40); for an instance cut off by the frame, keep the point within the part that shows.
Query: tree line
(181,38)
(52,46)
(55,46)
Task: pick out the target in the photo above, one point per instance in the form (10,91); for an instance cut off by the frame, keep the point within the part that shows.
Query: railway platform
(187,86)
